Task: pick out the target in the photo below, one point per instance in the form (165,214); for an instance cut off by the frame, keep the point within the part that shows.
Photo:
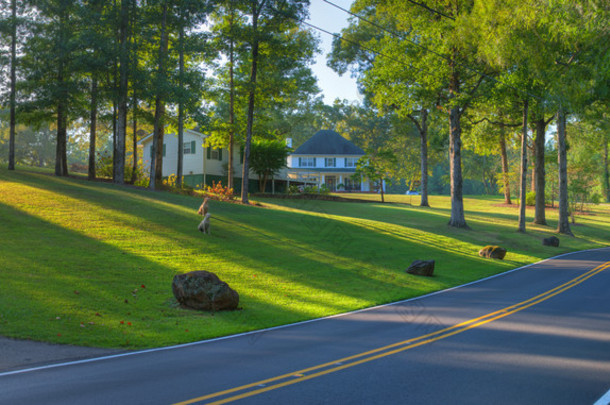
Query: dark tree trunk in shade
(13,74)
(156,171)
(606,173)
(92,129)
(523,173)
(250,116)
(539,173)
(455,165)
(504,155)
(564,221)
(423,136)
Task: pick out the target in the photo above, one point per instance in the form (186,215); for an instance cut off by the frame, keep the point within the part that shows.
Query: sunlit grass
(92,263)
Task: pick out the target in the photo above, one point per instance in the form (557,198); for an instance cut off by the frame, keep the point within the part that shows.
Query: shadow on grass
(306,264)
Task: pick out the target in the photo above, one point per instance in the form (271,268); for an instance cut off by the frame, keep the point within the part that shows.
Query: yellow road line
(302,375)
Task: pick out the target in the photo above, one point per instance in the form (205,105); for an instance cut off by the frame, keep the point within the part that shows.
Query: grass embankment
(92,264)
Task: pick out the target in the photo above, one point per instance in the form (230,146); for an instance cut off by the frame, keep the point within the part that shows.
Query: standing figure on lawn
(204,226)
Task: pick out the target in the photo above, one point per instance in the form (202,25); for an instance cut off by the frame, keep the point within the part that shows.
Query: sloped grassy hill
(92,263)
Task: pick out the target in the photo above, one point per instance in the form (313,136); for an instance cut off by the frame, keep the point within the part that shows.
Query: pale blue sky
(331,19)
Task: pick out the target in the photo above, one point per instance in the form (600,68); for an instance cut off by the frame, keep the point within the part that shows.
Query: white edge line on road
(262,331)
(604,400)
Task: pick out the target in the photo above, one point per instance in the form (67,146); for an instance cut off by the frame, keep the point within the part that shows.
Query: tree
(381,67)
(50,69)
(161,90)
(377,166)
(437,62)
(267,158)
(254,37)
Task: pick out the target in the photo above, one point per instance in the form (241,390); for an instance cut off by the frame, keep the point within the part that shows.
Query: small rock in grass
(551,241)
(422,268)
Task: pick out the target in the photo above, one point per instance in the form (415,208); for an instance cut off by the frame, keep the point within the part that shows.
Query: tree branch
(412,118)
(471,93)
(495,123)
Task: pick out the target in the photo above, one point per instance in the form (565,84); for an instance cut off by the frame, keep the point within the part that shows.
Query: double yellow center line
(295,377)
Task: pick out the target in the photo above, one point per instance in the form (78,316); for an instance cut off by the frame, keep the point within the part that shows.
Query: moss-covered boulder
(493,252)
(204,291)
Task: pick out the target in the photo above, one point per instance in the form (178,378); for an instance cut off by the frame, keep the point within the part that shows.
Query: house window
(350,162)
(189,148)
(307,162)
(330,162)
(214,154)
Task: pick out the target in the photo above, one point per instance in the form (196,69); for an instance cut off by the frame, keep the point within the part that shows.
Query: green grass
(92,263)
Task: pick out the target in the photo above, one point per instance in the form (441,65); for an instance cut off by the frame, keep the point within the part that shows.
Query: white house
(325,158)
(199,164)
(328,159)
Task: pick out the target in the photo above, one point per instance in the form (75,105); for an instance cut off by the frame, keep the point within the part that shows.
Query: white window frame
(187,148)
(307,162)
(350,161)
(330,162)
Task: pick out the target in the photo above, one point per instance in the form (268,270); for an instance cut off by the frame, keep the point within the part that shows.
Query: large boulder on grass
(204,291)
(422,268)
(551,241)
(493,252)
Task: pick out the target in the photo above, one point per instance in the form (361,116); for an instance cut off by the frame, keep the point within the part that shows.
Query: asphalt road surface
(537,335)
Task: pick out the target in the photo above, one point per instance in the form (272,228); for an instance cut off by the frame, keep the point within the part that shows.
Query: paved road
(539,335)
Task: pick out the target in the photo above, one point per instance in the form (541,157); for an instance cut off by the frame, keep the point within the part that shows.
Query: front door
(331,182)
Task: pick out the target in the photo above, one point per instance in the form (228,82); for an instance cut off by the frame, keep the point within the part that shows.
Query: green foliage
(267,158)
(530,198)
(103,167)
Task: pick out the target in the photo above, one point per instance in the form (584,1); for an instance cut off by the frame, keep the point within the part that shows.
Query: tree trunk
(156,170)
(92,128)
(179,170)
(121,133)
(230,168)
(134,61)
(134,163)
(606,173)
(504,155)
(533,164)
(61,158)
(13,123)
(564,221)
(523,174)
(423,134)
(539,175)
(246,168)
(455,165)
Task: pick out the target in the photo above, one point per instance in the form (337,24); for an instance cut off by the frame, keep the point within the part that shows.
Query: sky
(331,19)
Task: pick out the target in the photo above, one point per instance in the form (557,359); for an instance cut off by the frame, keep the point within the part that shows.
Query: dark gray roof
(328,142)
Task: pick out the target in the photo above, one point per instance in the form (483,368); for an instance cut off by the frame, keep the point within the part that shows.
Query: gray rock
(551,241)
(422,268)
(493,252)
(204,291)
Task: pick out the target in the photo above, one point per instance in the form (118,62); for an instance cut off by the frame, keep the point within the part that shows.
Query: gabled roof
(326,142)
(148,137)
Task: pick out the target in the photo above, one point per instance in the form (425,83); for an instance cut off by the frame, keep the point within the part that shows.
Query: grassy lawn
(92,263)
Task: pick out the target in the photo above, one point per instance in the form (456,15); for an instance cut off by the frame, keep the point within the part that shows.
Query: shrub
(530,198)
(316,190)
(294,189)
(217,192)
